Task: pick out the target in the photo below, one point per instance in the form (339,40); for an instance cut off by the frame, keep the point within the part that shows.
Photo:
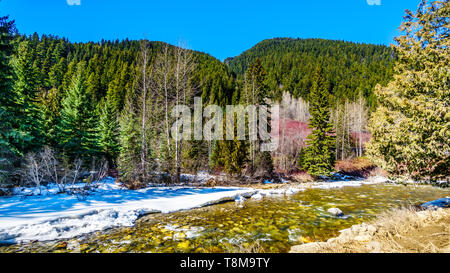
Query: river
(272,224)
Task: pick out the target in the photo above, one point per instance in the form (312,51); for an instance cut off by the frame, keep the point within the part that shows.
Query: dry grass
(399,231)
(302,177)
(359,166)
(412,231)
(378,172)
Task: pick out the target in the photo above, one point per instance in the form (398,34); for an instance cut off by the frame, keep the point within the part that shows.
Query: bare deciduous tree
(32,172)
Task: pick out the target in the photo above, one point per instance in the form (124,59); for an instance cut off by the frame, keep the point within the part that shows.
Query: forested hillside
(107,107)
(77,105)
(110,66)
(350,68)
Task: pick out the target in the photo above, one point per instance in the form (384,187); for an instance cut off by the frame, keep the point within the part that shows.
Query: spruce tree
(27,119)
(7,133)
(129,154)
(50,104)
(78,127)
(7,29)
(411,127)
(255,93)
(319,155)
(108,130)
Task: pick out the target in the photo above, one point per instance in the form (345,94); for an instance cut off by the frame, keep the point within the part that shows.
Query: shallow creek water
(272,224)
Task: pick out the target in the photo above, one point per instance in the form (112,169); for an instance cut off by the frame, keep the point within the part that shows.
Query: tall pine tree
(7,133)
(78,128)
(319,156)
(50,104)
(255,93)
(109,130)
(129,154)
(27,118)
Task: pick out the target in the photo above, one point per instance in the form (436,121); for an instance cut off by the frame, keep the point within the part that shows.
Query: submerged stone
(335,212)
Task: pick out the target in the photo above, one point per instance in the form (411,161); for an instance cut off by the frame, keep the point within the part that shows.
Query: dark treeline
(110,66)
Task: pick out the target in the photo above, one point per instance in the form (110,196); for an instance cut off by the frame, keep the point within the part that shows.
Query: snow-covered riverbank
(45,214)
(49,216)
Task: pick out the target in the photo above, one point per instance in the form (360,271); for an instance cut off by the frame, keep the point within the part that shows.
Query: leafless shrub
(32,172)
(52,168)
(98,171)
(76,170)
(45,167)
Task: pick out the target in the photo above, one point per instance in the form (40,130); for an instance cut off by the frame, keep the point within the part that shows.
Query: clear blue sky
(222,29)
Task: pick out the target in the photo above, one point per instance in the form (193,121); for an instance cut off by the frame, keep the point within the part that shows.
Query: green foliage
(301,159)
(61,83)
(7,29)
(411,127)
(255,85)
(6,96)
(7,133)
(78,128)
(320,153)
(109,130)
(26,116)
(129,142)
(110,69)
(263,165)
(229,156)
(290,63)
(50,104)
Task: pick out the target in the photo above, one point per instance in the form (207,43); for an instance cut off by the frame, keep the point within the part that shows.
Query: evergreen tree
(50,106)
(129,154)
(319,155)
(239,156)
(7,29)
(411,127)
(7,149)
(108,130)
(301,159)
(78,134)
(7,98)
(27,118)
(255,93)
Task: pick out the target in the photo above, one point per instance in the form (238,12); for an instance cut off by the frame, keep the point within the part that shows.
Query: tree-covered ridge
(110,65)
(349,68)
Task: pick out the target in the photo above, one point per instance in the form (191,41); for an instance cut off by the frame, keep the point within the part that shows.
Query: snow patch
(341,184)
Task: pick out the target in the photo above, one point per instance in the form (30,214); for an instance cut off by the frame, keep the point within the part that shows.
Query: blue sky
(222,29)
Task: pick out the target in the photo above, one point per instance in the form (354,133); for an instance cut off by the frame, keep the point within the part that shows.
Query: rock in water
(439,203)
(239,199)
(257,196)
(335,212)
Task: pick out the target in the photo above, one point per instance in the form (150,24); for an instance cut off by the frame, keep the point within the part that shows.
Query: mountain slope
(350,68)
(111,66)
